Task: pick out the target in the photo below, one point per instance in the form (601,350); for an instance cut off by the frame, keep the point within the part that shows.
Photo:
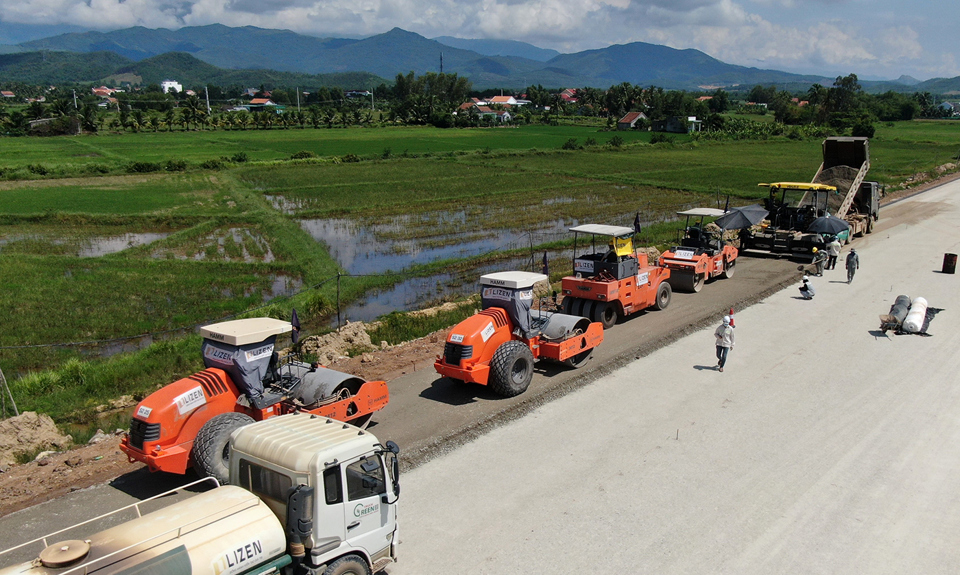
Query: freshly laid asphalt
(826,446)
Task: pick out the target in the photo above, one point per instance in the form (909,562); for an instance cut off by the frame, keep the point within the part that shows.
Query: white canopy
(512,280)
(245,331)
(707,212)
(603,230)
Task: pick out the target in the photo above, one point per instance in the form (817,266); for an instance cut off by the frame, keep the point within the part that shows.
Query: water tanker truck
(499,345)
(187,423)
(307,495)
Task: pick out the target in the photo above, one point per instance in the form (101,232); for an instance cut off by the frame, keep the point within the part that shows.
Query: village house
(168,85)
(629,121)
(675,125)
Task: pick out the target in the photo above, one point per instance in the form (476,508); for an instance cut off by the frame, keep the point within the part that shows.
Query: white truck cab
(308,496)
(354,480)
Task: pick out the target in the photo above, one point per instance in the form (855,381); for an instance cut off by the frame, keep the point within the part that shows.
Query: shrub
(239,158)
(303,155)
(387,152)
(349,158)
(212,165)
(616,141)
(143,167)
(660,138)
(38,169)
(175,165)
(863,129)
(589,142)
(570,144)
(97,169)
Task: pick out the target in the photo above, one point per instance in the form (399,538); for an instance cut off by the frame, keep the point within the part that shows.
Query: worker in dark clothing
(853,264)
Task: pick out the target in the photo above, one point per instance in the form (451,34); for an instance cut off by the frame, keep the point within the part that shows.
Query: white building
(168,85)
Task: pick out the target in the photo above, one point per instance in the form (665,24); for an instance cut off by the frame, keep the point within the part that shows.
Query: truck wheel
(348,565)
(729,268)
(664,294)
(566,306)
(511,368)
(605,313)
(211,448)
(869,225)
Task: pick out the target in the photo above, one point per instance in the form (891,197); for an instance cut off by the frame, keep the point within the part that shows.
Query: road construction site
(796,387)
(826,445)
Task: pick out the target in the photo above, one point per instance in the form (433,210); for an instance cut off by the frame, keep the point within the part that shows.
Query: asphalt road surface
(826,446)
(689,442)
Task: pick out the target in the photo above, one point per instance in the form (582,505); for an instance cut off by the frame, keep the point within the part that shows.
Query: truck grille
(453,353)
(141,431)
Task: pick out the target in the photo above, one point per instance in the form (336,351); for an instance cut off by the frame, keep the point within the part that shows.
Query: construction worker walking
(725,339)
(853,264)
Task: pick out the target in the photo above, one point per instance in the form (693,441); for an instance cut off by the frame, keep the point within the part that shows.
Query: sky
(875,39)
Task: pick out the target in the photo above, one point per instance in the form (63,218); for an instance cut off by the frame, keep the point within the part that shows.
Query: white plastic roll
(916,315)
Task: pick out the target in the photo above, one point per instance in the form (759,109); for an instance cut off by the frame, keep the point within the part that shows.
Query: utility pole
(207,92)
(75,100)
(441,62)
(298,98)
(371,102)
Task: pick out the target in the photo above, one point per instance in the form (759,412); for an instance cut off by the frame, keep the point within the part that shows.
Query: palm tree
(170,119)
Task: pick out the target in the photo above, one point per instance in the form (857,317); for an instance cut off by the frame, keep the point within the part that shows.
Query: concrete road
(825,446)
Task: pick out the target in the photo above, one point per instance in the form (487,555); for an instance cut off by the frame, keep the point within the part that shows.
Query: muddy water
(361,250)
(89,247)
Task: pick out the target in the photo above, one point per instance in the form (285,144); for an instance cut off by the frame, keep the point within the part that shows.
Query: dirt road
(826,446)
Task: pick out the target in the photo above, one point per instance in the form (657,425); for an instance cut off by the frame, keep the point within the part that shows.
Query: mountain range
(487,63)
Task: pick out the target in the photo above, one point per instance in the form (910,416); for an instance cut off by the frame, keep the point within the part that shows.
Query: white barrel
(226,531)
(916,316)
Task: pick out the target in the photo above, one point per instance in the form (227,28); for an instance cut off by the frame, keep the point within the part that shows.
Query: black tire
(567,305)
(605,313)
(729,269)
(869,225)
(348,565)
(664,295)
(211,448)
(511,368)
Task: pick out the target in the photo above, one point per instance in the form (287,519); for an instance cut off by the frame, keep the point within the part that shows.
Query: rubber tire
(211,457)
(869,225)
(348,565)
(729,269)
(605,313)
(511,369)
(566,306)
(664,295)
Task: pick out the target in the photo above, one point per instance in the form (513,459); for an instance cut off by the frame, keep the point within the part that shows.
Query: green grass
(71,154)
(399,327)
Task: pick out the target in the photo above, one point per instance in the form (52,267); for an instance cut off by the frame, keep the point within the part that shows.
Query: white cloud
(764,33)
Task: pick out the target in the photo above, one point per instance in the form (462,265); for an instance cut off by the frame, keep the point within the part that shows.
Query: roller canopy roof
(603,230)
(707,212)
(245,331)
(512,280)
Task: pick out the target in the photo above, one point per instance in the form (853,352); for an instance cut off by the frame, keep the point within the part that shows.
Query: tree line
(435,99)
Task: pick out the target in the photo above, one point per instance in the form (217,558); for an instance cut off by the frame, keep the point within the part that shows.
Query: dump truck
(307,495)
(499,345)
(611,279)
(700,254)
(838,188)
(846,161)
(187,423)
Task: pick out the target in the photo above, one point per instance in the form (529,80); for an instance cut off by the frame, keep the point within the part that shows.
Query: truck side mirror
(299,512)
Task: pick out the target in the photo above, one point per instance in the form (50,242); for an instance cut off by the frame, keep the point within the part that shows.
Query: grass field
(225,248)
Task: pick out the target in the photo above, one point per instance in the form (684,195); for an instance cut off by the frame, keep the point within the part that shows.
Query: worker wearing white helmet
(806,290)
(725,340)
